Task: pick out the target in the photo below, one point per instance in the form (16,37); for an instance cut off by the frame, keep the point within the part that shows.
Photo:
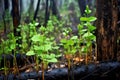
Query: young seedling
(69,48)
(41,45)
(4,51)
(12,48)
(8,47)
(86,30)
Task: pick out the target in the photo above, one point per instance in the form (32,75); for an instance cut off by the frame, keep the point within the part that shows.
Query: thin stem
(86,59)
(42,70)
(68,68)
(5,66)
(15,64)
(37,64)
(96,54)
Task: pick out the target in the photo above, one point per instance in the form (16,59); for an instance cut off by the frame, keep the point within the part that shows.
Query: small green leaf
(70,42)
(42,28)
(36,24)
(73,51)
(52,55)
(86,35)
(91,28)
(80,27)
(84,49)
(18,29)
(37,47)
(58,55)
(84,19)
(90,19)
(52,60)
(37,38)
(56,47)
(47,47)
(63,41)
(74,37)
(30,53)
(87,10)
(12,46)
(89,44)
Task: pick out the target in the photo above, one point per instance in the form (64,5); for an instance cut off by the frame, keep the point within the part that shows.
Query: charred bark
(35,15)
(36,11)
(82,6)
(107,17)
(6,4)
(118,36)
(5,19)
(55,11)
(15,15)
(47,13)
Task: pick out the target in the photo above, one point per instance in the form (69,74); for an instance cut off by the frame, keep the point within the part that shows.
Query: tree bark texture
(47,13)
(15,14)
(36,11)
(5,18)
(107,17)
(6,4)
(118,36)
(54,8)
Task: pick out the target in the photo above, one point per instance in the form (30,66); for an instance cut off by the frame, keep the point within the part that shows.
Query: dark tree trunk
(107,18)
(6,7)
(15,15)
(35,15)
(82,6)
(6,4)
(47,13)
(118,36)
(54,8)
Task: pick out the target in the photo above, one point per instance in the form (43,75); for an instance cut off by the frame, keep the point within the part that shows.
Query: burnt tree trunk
(82,6)
(55,11)
(6,4)
(107,17)
(5,18)
(15,15)
(47,13)
(118,36)
(36,11)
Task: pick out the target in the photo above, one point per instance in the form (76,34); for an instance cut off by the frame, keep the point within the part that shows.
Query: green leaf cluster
(86,30)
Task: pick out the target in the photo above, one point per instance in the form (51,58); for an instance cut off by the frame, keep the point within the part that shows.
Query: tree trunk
(35,15)
(107,17)
(55,11)
(118,36)
(6,4)
(15,15)
(47,13)
(82,6)
(5,14)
